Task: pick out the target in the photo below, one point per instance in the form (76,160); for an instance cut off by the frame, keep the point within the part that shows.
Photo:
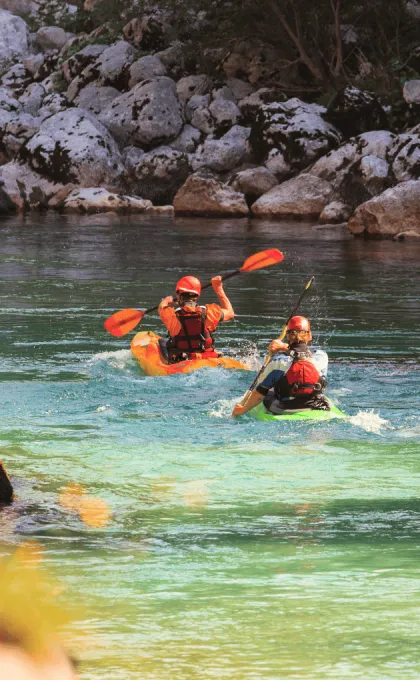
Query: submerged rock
(97,200)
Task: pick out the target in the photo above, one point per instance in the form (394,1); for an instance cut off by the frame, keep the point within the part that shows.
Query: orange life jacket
(193,338)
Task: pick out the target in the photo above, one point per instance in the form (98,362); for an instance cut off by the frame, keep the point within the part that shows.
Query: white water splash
(101,409)
(223,408)
(119,359)
(369,421)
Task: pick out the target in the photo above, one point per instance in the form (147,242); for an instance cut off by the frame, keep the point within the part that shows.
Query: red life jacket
(303,377)
(193,338)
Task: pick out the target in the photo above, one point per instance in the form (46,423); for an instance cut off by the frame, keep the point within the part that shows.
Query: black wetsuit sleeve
(262,390)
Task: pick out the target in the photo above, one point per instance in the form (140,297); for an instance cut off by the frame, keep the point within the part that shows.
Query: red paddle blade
(123,322)
(265,258)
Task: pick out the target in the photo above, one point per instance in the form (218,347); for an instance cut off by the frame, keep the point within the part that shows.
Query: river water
(236,549)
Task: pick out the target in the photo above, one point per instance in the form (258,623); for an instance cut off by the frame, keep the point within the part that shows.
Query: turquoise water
(237,549)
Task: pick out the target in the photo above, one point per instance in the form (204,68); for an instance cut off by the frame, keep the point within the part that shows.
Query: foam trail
(118,359)
(223,408)
(369,421)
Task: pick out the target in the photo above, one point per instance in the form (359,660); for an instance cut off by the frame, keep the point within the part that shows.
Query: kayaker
(190,325)
(294,380)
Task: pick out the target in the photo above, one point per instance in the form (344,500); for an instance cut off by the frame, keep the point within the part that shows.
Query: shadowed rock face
(355,111)
(158,175)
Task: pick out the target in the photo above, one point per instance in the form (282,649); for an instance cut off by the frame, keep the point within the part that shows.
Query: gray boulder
(95,99)
(111,68)
(158,174)
(188,140)
(225,113)
(411,91)
(33,63)
(79,61)
(14,37)
(254,182)
(336,212)
(304,196)
(205,195)
(32,98)
(295,129)
(384,215)
(98,200)
(72,146)
(52,103)
(149,115)
(224,154)
(145,68)
(190,85)
(17,131)
(26,188)
(51,38)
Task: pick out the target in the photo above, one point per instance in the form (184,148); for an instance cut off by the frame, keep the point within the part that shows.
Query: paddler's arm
(254,399)
(168,316)
(224,301)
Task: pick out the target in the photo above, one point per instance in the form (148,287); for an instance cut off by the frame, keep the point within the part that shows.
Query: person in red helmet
(190,325)
(295,379)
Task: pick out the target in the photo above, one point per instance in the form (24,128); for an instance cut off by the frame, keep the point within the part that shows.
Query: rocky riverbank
(125,127)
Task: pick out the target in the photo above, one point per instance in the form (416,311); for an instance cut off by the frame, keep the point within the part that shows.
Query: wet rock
(51,38)
(159,174)
(73,146)
(384,215)
(7,207)
(224,154)
(95,99)
(254,182)
(304,196)
(14,38)
(98,200)
(188,140)
(192,85)
(205,195)
(146,68)
(407,236)
(148,115)
(355,111)
(336,212)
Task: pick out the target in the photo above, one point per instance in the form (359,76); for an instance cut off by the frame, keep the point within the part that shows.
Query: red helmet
(188,284)
(299,323)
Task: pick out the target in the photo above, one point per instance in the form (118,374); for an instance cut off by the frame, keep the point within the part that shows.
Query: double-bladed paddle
(280,338)
(124,321)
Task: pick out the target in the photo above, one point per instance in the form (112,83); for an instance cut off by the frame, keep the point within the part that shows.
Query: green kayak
(261,413)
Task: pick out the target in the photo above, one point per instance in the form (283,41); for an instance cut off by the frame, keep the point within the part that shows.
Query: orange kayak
(146,349)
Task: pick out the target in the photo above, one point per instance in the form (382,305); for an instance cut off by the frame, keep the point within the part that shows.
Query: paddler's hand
(238,410)
(277,346)
(217,284)
(166,302)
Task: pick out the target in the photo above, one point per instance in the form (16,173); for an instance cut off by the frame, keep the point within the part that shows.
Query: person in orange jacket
(190,325)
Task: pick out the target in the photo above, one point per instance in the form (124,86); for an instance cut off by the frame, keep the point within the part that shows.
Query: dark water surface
(237,549)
